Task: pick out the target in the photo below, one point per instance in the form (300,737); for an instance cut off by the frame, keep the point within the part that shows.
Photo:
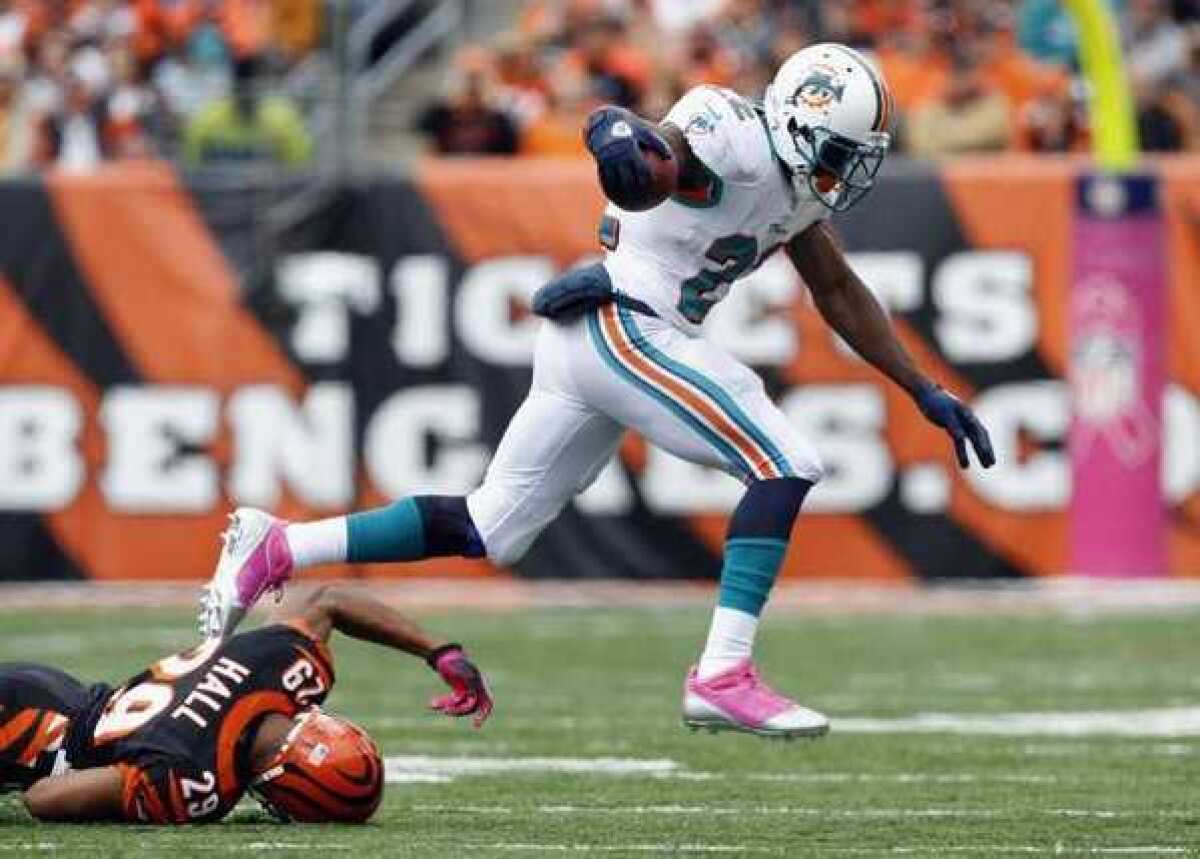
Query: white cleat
(255,559)
(738,700)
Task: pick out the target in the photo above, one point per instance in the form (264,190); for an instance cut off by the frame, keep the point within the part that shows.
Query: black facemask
(852,165)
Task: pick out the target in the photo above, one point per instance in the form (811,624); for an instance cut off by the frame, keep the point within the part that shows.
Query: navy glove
(616,138)
(948,412)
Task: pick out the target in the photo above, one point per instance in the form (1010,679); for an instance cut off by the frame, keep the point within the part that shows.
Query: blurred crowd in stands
(968,75)
(84,81)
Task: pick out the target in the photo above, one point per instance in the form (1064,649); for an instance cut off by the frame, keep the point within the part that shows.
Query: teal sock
(392,533)
(751,565)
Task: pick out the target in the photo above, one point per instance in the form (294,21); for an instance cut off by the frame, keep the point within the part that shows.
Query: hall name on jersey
(209,697)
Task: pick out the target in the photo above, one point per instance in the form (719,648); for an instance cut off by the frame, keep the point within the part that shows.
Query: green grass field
(582,685)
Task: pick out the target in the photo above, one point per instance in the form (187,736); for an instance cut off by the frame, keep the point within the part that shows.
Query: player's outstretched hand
(619,141)
(947,411)
(469,694)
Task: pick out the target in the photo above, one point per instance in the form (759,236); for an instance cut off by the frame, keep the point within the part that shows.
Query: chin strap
(268,806)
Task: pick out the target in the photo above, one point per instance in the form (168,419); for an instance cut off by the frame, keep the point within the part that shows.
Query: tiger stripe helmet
(829,114)
(326,771)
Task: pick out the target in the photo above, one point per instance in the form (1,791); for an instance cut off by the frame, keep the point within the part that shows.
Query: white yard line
(895,778)
(1157,722)
(223,847)
(539,723)
(435,768)
(406,766)
(656,849)
(1124,750)
(711,810)
(417,778)
(269,846)
(1057,849)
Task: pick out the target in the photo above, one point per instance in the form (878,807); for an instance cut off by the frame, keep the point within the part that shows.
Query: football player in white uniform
(697,202)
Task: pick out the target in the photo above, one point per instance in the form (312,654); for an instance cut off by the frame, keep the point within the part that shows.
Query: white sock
(320,542)
(730,640)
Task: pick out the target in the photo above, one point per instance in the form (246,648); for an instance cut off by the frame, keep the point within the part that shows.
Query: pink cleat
(738,700)
(255,559)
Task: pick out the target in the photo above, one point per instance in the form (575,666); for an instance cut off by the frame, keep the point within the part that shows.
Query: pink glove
(468,690)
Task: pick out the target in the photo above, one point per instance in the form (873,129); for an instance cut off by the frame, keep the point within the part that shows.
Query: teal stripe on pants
(727,452)
(715,391)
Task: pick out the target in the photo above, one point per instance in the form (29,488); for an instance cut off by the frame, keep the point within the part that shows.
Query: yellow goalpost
(1114,128)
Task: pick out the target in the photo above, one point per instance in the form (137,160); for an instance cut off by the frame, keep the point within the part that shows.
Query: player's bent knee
(811,469)
(804,462)
(506,552)
(507,523)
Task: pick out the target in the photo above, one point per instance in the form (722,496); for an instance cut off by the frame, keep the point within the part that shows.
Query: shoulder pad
(724,131)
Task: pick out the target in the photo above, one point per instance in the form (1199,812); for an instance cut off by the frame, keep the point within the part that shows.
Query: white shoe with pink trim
(738,700)
(255,559)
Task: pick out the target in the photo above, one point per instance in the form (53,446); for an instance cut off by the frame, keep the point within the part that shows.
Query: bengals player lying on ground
(184,740)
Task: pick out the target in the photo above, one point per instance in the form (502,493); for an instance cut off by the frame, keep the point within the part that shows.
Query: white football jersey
(682,256)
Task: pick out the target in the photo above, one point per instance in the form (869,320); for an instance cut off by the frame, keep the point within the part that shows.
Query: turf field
(584,754)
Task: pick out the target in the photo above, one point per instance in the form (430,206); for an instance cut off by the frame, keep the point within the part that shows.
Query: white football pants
(615,369)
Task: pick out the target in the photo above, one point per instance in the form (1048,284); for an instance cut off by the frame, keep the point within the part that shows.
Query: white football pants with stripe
(614,369)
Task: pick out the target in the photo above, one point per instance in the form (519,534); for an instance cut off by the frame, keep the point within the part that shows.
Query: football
(665,172)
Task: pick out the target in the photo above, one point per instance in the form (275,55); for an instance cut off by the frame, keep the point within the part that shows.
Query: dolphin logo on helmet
(821,88)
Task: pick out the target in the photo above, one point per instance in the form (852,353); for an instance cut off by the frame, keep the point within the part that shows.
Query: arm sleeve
(150,793)
(163,790)
(718,124)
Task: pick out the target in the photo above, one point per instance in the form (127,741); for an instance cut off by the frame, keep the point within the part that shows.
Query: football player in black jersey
(183,741)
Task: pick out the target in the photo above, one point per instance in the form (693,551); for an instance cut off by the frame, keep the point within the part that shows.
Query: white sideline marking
(689,810)
(657,849)
(870,778)
(267,846)
(1160,722)
(986,849)
(895,778)
(1135,750)
(416,778)
(539,723)
(1058,849)
(30,845)
(804,811)
(401,768)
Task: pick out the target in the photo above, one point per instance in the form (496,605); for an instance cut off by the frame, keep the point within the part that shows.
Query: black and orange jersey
(181,730)
(41,711)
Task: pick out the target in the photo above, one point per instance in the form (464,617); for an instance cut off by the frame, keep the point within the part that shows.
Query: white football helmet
(829,112)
